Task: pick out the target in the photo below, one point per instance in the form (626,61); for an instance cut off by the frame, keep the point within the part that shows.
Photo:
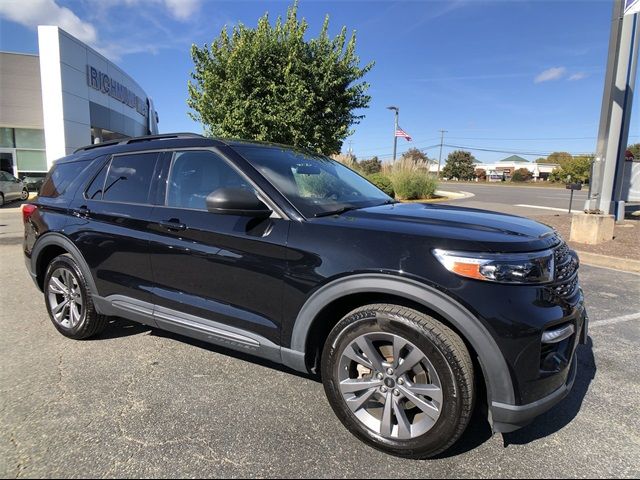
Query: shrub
(371,166)
(481,174)
(413,184)
(521,175)
(382,182)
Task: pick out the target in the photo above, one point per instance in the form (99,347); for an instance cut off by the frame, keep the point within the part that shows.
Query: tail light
(28,209)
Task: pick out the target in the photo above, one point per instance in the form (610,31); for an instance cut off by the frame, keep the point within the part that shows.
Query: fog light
(559,334)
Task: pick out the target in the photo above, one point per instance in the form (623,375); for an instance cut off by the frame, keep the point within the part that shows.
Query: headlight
(529,268)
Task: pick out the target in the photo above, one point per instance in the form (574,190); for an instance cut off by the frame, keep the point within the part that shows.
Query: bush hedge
(413,184)
(383,182)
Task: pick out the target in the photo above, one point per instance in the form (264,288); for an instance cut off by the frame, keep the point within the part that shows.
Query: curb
(454,195)
(616,263)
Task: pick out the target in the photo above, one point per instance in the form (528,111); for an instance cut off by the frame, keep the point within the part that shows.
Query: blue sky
(521,76)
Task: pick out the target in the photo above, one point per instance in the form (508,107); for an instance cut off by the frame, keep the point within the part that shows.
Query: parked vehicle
(33,182)
(412,314)
(11,188)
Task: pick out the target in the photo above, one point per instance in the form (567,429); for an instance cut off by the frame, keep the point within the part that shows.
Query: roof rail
(146,138)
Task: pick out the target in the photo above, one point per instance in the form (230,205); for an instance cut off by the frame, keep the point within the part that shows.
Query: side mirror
(236,201)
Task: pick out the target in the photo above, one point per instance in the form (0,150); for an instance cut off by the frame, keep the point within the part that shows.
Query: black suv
(410,313)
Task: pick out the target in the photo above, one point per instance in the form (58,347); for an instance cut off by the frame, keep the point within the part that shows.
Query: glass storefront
(24,151)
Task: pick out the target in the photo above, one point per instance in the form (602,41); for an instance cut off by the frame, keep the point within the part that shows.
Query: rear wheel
(68,300)
(399,380)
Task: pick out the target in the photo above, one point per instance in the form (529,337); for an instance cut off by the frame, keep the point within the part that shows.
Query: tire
(1,199)
(71,310)
(439,378)
(24,195)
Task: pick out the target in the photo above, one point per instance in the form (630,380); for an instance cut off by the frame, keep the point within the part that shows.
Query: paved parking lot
(140,402)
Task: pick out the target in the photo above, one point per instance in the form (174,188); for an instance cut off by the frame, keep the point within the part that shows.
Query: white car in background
(11,188)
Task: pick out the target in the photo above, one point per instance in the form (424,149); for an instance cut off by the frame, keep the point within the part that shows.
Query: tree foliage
(269,83)
(521,175)
(635,149)
(481,174)
(557,157)
(576,169)
(368,167)
(460,165)
(418,157)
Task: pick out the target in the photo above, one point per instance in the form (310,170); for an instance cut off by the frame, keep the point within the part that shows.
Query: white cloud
(47,12)
(550,74)
(178,9)
(182,9)
(578,76)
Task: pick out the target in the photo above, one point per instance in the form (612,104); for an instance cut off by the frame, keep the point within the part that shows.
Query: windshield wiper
(339,211)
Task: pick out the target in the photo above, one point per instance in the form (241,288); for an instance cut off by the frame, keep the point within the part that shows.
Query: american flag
(403,134)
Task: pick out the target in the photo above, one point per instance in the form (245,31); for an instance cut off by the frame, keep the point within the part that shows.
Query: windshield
(313,184)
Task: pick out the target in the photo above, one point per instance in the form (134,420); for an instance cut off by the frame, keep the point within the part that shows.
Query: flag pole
(395,129)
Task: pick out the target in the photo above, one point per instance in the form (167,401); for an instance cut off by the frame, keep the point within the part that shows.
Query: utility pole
(442,132)
(606,186)
(395,129)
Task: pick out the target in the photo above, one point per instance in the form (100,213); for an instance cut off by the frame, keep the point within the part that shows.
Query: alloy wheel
(65,298)
(390,385)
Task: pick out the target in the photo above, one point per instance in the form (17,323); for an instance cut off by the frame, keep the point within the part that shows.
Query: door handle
(173,225)
(81,212)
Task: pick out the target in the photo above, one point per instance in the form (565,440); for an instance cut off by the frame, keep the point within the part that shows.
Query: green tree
(416,156)
(368,167)
(270,83)
(521,175)
(460,165)
(578,169)
(635,149)
(557,157)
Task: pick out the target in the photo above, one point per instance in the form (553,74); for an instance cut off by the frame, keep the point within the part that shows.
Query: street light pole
(395,129)
(442,132)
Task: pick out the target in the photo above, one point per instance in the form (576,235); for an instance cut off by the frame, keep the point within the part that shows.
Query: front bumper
(506,418)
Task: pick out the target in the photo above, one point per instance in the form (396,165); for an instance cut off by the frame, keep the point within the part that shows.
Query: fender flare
(494,367)
(60,240)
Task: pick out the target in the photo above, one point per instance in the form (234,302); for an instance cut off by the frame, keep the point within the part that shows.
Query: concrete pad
(592,229)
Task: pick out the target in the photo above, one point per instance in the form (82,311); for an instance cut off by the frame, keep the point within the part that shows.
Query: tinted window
(3,176)
(194,175)
(60,177)
(94,192)
(129,178)
(313,183)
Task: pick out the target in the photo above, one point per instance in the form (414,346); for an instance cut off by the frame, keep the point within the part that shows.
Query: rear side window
(94,192)
(129,178)
(60,177)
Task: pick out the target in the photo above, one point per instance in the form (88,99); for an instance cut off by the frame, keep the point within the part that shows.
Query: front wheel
(24,195)
(399,380)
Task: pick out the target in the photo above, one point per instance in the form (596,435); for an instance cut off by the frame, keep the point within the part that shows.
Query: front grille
(566,271)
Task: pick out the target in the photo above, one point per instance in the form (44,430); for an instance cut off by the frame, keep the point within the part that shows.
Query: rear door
(218,269)
(110,226)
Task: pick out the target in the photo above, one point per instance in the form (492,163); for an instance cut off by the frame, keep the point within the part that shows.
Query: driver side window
(195,174)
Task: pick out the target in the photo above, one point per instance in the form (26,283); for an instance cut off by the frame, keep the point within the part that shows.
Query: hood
(455,227)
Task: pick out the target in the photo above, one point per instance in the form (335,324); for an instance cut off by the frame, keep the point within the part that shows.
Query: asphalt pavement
(139,402)
(518,200)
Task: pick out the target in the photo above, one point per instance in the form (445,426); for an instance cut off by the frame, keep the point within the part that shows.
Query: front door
(219,269)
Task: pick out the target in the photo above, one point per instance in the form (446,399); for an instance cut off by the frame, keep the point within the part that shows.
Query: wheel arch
(340,295)
(49,246)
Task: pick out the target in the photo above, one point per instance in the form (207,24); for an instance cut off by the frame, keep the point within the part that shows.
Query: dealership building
(66,97)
